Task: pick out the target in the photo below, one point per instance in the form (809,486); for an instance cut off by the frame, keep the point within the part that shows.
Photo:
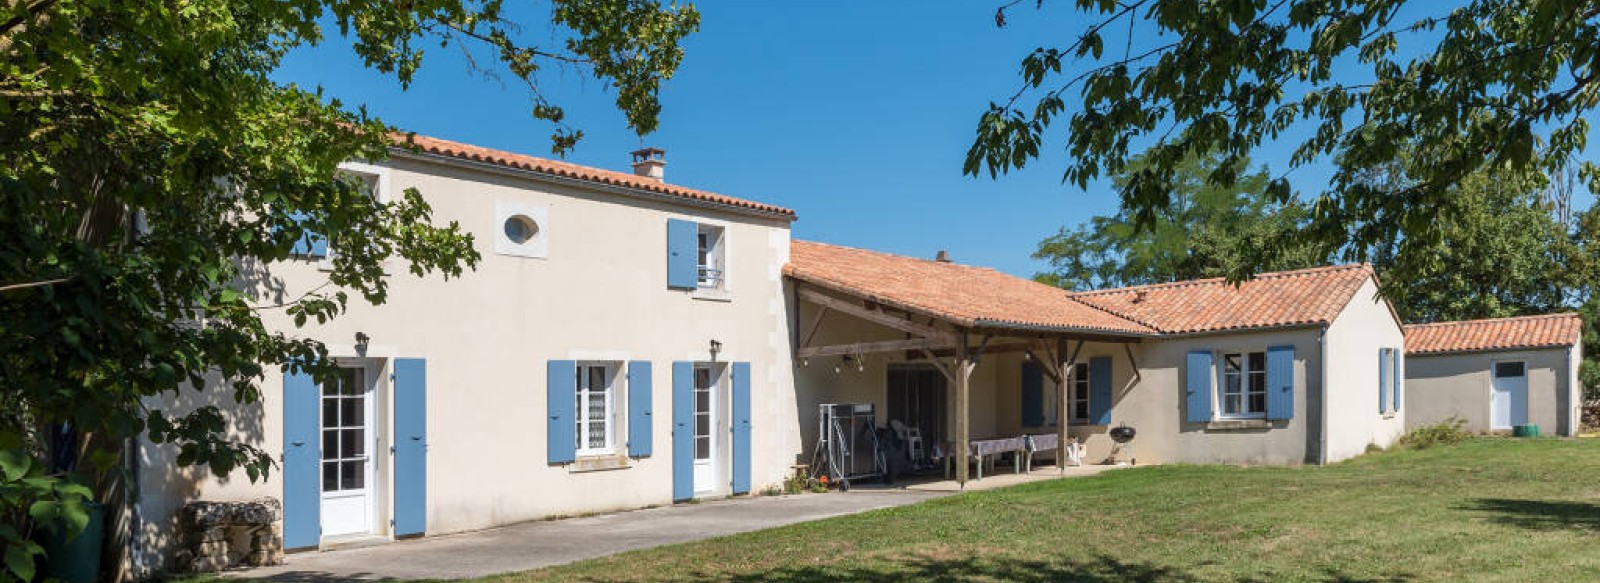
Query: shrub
(1447,432)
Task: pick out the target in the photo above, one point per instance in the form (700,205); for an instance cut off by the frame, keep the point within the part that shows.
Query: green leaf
(19,559)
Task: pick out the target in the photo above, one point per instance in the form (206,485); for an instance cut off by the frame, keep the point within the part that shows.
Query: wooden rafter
(869,347)
(875,315)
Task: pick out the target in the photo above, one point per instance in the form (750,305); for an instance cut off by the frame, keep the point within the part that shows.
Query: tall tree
(1474,86)
(148,162)
(1205,230)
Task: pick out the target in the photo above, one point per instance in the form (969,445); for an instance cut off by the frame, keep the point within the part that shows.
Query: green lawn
(1485,510)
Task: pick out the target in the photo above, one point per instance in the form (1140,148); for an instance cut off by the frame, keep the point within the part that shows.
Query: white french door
(347,441)
(705,423)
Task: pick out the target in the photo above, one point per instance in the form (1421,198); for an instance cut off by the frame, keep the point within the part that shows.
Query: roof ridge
(1492,320)
(1138,321)
(1215,280)
(915,258)
(563,169)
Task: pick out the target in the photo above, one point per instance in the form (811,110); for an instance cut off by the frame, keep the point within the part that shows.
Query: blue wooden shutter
(302,461)
(1197,389)
(310,244)
(1100,390)
(1032,395)
(640,420)
(741,427)
(1395,377)
(683,254)
(561,402)
(682,430)
(1280,382)
(1383,379)
(410,446)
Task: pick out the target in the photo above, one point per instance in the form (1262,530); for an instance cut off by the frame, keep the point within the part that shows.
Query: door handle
(297,443)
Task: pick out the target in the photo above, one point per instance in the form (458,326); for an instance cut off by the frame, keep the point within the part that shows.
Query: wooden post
(1063,414)
(963,374)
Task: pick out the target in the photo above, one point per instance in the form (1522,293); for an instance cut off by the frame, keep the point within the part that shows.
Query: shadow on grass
(1540,514)
(1099,569)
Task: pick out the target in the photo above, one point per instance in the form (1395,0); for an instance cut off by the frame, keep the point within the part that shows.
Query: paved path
(532,545)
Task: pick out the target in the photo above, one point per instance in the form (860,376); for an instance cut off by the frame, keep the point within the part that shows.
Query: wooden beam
(1063,415)
(997,348)
(816,323)
(938,363)
(867,347)
(1133,362)
(874,315)
(1045,366)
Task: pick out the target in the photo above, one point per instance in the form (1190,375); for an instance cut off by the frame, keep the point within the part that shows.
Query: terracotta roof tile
(568,170)
(969,296)
(1496,334)
(1270,300)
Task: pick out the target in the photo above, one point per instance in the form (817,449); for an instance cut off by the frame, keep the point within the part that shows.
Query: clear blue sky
(856,114)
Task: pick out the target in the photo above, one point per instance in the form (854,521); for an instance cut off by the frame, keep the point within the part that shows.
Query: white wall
(1353,419)
(600,294)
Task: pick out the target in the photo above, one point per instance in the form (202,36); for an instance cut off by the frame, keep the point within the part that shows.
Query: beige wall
(1152,403)
(1353,340)
(1459,385)
(599,295)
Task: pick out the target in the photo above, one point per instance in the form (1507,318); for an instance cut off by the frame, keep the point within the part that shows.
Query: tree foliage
(1205,230)
(1480,86)
(150,165)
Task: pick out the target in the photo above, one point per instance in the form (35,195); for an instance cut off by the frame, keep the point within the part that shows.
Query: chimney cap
(942,257)
(650,163)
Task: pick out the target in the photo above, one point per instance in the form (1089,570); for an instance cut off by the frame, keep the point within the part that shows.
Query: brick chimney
(942,257)
(650,163)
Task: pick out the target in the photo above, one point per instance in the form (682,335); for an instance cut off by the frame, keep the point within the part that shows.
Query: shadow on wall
(1099,569)
(164,487)
(1539,514)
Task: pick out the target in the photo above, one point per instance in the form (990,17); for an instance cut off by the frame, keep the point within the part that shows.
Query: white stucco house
(628,342)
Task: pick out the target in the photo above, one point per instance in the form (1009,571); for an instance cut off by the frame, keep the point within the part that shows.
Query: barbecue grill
(1123,435)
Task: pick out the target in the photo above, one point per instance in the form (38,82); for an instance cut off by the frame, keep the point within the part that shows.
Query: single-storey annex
(1496,374)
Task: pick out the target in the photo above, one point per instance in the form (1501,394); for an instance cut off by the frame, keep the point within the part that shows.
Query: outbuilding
(1496,374)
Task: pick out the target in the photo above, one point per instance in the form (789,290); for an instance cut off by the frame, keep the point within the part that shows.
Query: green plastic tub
(1529,430)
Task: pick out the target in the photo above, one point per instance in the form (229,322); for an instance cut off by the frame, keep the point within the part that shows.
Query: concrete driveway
(532,545)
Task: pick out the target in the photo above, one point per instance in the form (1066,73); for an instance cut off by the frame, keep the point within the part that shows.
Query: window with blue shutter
(1197,386)
(1280,382)
(641,423)
(561,434)
(683,244)
(1383,380)
(1032,395)
(1100,390)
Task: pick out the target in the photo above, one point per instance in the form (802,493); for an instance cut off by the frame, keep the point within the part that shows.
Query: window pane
(702,401)
(1231,404)
(350,443)
(1258,403)
(1230,363)
(1508,369)
(1258,361)
(330,387)
(702,448)
(597,378)
(330,476)
(1231,383)
(702,378)
(354,474)
(354,408)
(597,433)
(1081,410)
(1258,381)
(702,425)
(330,412)
(347,381)
(330,444)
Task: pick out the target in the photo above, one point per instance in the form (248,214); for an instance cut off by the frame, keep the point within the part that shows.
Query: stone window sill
(1389,415)
(1238,424)
(711,295)
(599,463)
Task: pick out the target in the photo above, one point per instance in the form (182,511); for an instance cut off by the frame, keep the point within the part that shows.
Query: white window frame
(711,274)
(379,176)
(613,396)
(1080,378)
(536,246)
(1245,374)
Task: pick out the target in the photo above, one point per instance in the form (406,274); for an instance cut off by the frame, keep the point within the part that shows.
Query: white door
(1508,403)
(705,420)
(347,489)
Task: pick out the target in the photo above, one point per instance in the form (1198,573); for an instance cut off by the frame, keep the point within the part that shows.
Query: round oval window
(520,228)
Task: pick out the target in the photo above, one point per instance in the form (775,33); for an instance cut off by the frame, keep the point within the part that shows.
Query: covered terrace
(947,315)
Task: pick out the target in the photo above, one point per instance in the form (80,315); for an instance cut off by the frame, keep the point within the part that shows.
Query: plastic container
(1529,430)
(76,560)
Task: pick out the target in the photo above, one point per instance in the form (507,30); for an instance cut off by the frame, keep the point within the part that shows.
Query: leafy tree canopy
(148,164)
(1485,85)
